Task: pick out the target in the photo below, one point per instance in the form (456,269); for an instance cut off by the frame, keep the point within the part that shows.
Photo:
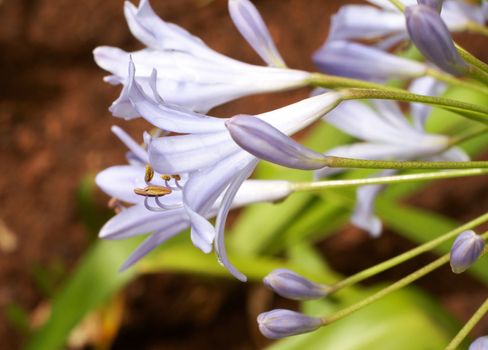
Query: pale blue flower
(280,323)
(291,285)
(215,164)
(163,217)
(465,250)
(190,74)
(479,344)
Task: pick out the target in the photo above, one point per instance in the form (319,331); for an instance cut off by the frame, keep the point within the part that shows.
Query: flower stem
(339,162)
(477,316)
(391,288)
(398,4)
(477,28)
(333,82)
(466,137)
(385,291)
(374,270)
(319,185)
(471,111)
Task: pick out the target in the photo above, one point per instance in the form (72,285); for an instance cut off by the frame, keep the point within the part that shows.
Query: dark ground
(55,128)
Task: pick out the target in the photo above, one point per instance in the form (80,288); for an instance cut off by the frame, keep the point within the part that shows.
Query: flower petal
(139,152)
(251,25)
(137,220)
(222,217)
(187,153)
(151,243)
(119,182)
(423,86)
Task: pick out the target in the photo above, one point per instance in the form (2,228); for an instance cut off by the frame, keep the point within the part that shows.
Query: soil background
(55,129)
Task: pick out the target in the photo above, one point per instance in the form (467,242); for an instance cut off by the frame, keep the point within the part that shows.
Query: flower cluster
(194,167)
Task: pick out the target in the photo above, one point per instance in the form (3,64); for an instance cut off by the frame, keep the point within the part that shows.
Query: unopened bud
(280,323)
(291,285)
(431,36)
(479,344)
(465,250)
(268,143)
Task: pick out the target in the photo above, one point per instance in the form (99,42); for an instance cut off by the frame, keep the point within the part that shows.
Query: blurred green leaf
(17,317)
(404,320)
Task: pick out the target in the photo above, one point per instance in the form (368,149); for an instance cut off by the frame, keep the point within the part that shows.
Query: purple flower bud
(433,4)
(268,143)
(465,250)
(432,37)
(280,323)
(291,285)
(479,344)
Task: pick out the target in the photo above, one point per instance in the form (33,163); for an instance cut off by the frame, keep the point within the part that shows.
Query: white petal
(454,154)
(256,191)
(423,86)
(202,232)
(187,153)
(364,22)
(458,14)
(151,243)
(120,181)
(129,142)
(137,220)
(222,217)
(252,27)
(295,117)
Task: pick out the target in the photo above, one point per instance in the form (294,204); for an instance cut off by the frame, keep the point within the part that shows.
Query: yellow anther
(149,173)
(176,177)
(152,191)
(166,177)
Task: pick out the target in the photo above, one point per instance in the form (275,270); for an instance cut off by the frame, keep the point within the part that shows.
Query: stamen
(148,207)
(152,191)
(166,177)
(167,206)
(149,173)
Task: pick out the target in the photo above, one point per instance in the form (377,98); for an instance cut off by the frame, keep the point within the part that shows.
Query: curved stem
(319,185)
(339,162)
(468,110)
(374,270)
(477,316)
(466,137)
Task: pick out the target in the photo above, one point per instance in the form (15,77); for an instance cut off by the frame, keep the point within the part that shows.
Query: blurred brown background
(55,129)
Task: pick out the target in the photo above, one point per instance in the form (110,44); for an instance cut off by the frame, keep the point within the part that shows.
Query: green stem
(468,57)
(391,288)
(477,28)
(333,82)
(475,112)
(398,4)
(374,270)
(385,291)
(447,78)
(319,185)
(478,315)
(339,162)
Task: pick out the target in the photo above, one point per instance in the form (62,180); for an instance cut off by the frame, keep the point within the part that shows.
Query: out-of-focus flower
(280,323)
(191,74)
(206,152)
(386,23)
(359,61)
(386,134)
(291,285)
(166,216)
(479,344)
(465,250)
(431,36)
(433,4)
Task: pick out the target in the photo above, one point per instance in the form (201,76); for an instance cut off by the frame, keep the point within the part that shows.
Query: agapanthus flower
(190,73)
(215,164)
(386,24)
(152,203)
